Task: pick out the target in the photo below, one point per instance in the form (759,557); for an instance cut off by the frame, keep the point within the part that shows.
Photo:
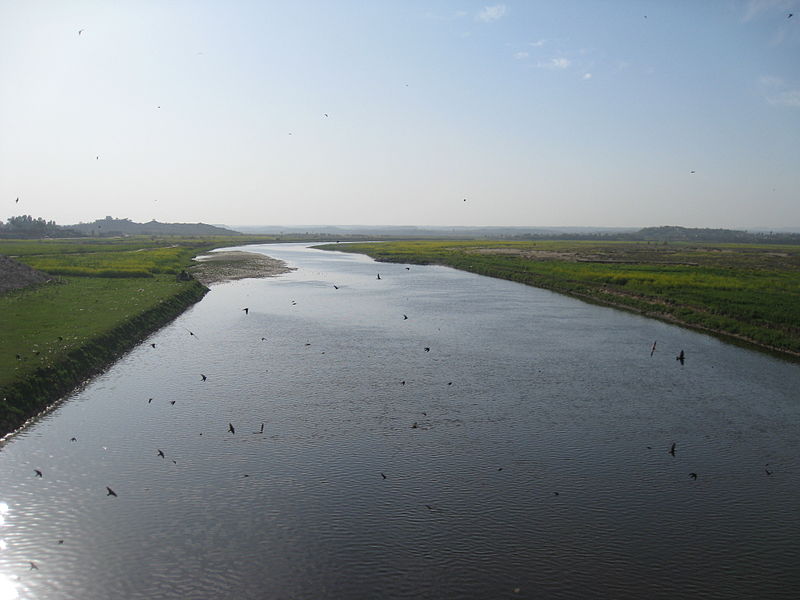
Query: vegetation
(747,291)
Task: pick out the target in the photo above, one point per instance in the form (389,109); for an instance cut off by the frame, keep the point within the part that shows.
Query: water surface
(524,456)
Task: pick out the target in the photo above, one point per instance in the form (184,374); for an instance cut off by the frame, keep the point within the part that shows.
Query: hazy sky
(538,113)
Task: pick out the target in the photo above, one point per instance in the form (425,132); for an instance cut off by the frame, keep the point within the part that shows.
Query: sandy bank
(218,267)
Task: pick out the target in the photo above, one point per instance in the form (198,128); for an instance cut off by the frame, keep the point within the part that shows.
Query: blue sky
(538,113)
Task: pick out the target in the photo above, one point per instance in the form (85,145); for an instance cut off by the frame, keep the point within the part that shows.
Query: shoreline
(231,265)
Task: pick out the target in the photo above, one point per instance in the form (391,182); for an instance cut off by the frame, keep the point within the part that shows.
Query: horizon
(444,114)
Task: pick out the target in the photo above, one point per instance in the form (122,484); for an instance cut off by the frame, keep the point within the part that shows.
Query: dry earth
(15,275)
(218,267)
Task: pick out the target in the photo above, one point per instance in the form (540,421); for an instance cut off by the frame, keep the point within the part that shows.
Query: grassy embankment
(109,294)
(746,291)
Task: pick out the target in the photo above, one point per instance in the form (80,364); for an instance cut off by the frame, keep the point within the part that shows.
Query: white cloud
(555,63)
(536,44)
(587,76)
(521,55)
(778,93)
(491,13)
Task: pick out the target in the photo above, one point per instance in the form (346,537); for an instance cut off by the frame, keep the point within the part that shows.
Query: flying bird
(326,114)
(790,15)
(152,345)
(681,357)
(190,332)
(38,472)
(261,430)
(693,475)
(427,349)
(172,402)
(246,311)
(161,453)
(33,566)
(691,171)
(17,200)
(672,449)
(653,349)
(766,470)
(149,400)
(336,287)
(73,439)
(382,475)
(80,31)
(231,428)
(111,492)
(203,376)
(405,317)
(379,275)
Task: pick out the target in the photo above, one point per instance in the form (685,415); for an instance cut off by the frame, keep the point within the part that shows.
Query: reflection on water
(525,455)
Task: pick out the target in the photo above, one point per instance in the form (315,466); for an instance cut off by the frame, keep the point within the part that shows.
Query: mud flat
(230,265)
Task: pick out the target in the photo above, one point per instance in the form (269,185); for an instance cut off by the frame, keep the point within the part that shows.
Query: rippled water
(538,467)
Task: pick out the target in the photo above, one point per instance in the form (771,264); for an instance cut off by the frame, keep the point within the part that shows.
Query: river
(426,434)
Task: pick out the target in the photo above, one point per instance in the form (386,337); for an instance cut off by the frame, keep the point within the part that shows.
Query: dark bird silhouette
(161,453)
(19,357)
(691,171)
(190,332)
(693,475)
(653,349)
(246,311)
(17,200)
(672,449)
(73,439)
(33,566)
(60,541)
(263,339)
(261,430)
(38,472)
(681,357)
(555,493)
(97,158)
(415,426)
(231,428)
(172,402)
(427,348)
(766,470)
(326,114)
(408,268)
(111,492)
(336,287)
(80,31)
(499,468)
(790,15)
(449,383)
(403,382)
(379,275)
(149,400)
(465,199)
(405,317)
(429,507)
(152,345)
(203,376)
(382,475)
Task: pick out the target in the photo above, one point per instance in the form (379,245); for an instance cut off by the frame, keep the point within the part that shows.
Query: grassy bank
(107,295)
(745,291)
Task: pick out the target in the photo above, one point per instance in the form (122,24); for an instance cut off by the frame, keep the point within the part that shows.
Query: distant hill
(111,226)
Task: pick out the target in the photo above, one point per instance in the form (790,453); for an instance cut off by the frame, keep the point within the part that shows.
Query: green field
(747,291)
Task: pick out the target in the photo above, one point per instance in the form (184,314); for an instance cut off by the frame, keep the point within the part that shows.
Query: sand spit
(218,267)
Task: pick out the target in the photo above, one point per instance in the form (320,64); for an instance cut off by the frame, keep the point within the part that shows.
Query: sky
(402,112)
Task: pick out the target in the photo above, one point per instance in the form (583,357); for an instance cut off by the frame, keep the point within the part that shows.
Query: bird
(38,472)
(693,475)
(261,430)
(172,402)
(231,428)
(681,357)
(499,468)
(653,349)
(449,383)
(263,339)
(149,400)
(382,475)
(427,348)
(161,453)
(415,426)
(403,382)
(405,317)
(672,449)
(691,171)
(326,114)
(73,439)
(111,492)
(60,541)
(17,200)
(336,287)
(152,345)
(80,31)
(97,158)
(19,357)
(429,507)
(246,311)
(379,275)
(33,566)
(790,15)
(766,470)
(465,199)
(190,331)
(203,376)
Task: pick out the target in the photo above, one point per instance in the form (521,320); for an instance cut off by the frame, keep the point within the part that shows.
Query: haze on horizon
(621,114)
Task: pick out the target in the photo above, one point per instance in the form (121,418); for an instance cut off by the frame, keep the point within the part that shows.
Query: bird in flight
(691,171)
(149,400)
(681,357)
(80,31)
(246,311)
(190,332)
(152,345)
(405,317)
(336,287)
(73,439)
(33,566)
(653,349)
(427,349)
(790,15)
(231,428)
(672,449)
(261,430)
(379,275)
(161,453)
(203,376)
(38,472)
(17,200)
(693,475)
(382,475)
(111,492)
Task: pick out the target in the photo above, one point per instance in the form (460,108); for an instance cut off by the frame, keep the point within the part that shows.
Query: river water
(525,455)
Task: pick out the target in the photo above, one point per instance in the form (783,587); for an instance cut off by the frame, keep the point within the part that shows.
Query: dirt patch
(535,254)
(15,275)
(218,267)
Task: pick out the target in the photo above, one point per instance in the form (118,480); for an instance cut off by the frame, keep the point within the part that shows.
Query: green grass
(744,290)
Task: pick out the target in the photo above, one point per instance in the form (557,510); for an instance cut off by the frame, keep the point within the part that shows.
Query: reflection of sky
(8,589)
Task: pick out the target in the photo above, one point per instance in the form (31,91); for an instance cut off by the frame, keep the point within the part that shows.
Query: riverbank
(747,293)
(56,335)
